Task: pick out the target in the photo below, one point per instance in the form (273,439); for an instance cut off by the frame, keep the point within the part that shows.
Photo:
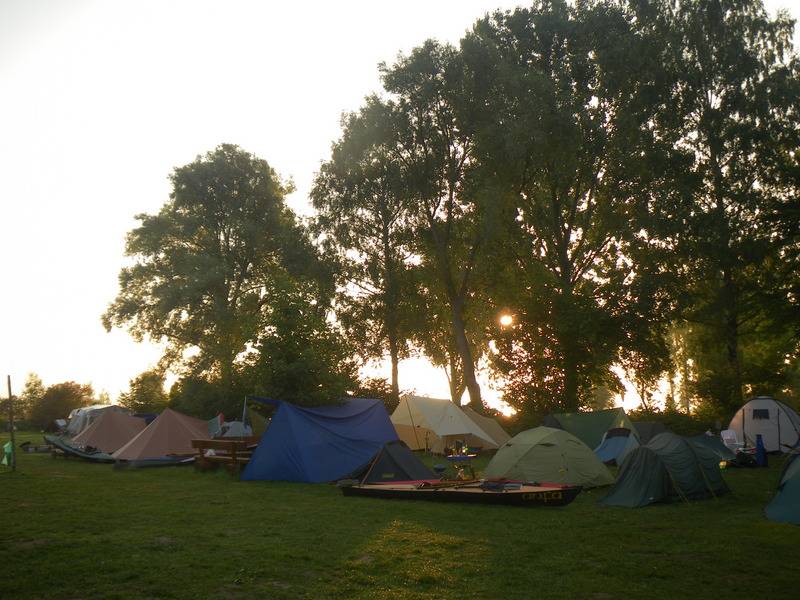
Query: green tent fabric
(714,443)
(8,450)
(785,506)
(589,427)
(668,468)
(545,454)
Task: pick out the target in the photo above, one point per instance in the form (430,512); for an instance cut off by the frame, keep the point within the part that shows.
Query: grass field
(77,530)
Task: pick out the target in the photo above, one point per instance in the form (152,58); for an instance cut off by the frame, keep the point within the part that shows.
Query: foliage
(32,394)
(449,215)
(208,266)
(729,112)
(676,421)
(58,401)
(146,393)
(563,137)
(360,197)
(377,388)
(300,357)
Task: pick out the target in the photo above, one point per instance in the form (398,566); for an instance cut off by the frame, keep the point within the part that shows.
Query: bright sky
(101,100)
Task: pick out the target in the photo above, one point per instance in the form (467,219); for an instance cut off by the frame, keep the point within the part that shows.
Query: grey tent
(668,468)
(777,423)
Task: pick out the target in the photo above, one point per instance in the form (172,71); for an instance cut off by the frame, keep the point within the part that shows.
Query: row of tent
(332,442)
(108,433)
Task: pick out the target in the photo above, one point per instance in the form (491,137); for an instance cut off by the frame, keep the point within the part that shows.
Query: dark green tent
(589,427)
(647,430)
(714,443)
(785,506)
(668,468)
(395,462)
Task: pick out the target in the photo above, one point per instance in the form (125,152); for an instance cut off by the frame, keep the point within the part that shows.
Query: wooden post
(11,423)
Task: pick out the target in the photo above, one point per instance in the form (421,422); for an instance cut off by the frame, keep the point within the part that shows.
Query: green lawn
(70,529)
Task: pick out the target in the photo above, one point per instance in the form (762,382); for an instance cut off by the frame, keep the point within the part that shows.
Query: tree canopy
(620,179)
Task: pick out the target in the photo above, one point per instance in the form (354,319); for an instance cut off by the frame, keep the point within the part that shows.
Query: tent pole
(413,427)
(744,416)
(11,423)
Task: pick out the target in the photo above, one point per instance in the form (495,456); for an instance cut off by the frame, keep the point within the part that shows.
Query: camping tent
(235,429)
(589,427)
(323,443)
(667,468)
(170,435)
(548,455)
(81,418)
(777,423)
(433,424)
(785,506)
(616,445)
(489,425)
(395,462)
(109,432)
(714,443)
(647,430)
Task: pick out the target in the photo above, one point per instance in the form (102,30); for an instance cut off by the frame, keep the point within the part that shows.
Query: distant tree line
(620,178)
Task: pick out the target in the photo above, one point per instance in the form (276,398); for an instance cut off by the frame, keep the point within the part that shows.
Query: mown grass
(76,530)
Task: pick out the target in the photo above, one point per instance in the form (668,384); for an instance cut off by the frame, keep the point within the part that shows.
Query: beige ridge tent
(433,424)
(171,434)
(489,425)
(109,432)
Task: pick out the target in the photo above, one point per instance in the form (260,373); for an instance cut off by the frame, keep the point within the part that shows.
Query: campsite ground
(77,530)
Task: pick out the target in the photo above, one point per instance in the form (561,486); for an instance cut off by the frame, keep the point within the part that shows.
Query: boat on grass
(510,493)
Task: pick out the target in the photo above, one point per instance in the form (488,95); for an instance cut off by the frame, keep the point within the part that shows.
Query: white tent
(433,424)
(777,423)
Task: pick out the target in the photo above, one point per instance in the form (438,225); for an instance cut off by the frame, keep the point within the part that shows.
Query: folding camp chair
(731,440)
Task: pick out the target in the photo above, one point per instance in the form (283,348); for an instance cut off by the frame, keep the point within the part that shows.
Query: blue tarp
(319,444)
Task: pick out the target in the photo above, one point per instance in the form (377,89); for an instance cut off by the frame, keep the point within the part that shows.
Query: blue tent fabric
(614,449)
(319,444)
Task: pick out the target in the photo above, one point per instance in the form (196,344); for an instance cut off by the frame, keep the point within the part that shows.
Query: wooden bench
(233,453)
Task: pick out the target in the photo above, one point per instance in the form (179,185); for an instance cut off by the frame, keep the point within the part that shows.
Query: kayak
(477,492)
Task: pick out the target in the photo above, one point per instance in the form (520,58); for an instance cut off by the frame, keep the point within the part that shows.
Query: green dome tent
(590,427)
(548,455)
(667,468)
(785,506)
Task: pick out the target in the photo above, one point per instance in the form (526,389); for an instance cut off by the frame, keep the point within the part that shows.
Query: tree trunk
(394,356)
(465,352)
(735,398)
(569,349)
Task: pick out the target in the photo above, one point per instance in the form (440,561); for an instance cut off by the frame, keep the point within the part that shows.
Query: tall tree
(434,148)
(361,202)
(562,122)
(209,265)
(731,112)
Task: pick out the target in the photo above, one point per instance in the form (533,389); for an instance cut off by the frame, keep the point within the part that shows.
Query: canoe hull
(526,496)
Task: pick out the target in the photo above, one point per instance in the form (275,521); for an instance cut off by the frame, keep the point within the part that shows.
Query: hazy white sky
(99,101)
